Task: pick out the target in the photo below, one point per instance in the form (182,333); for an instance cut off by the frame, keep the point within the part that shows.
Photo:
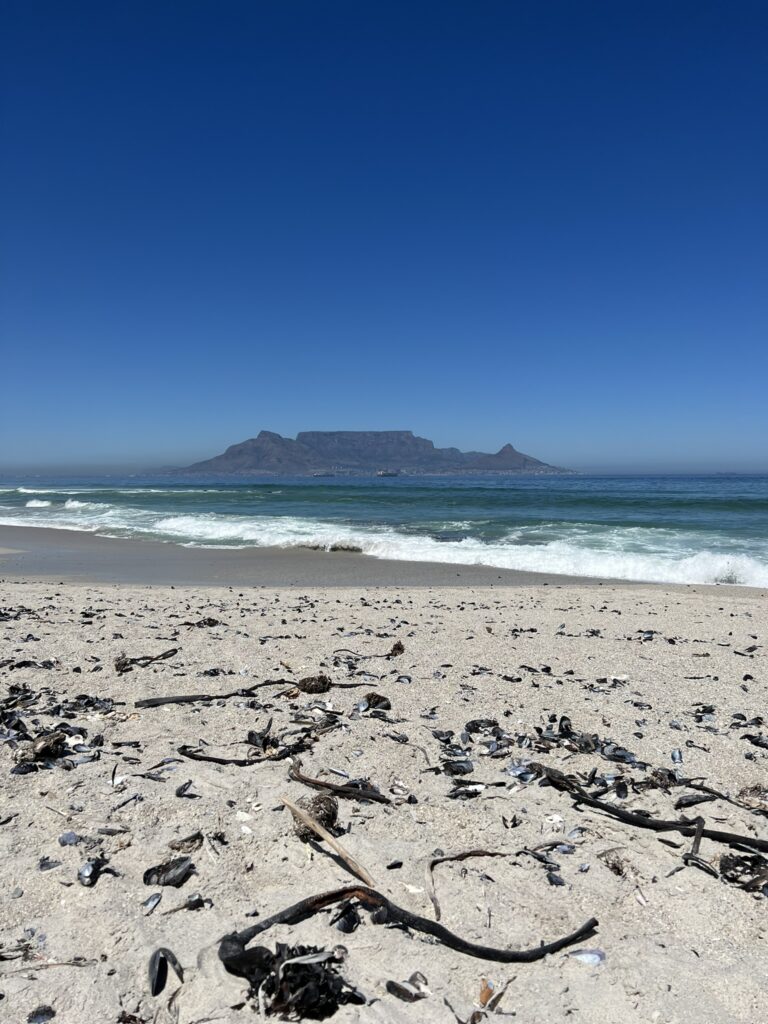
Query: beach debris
(195,754)
(125,664)
(309,822)
(409,991)
(184,790)
(151,902)
(347,918)
(510,742)
(195,901)
(188,844)
(295,981)
(197,698)
(233,946)
(647,821)
(49,745)
(747,871)
(173,872)
(356,789)
(373,703)
(159,963)
(313,684)
(395,651)
(443,858)
(323,808)
(41,1015)
(590,957)
(92,870)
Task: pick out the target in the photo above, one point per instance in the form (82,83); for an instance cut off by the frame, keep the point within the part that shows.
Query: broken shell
(409,991)
(590,957)
(151,902)
(158,969)
(173,872)
(89,873)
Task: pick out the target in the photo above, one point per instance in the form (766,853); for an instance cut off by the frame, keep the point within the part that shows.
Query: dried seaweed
(232,948)
(294,982)
(125,664)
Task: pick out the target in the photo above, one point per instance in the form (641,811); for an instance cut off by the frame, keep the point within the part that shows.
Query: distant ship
(388,472)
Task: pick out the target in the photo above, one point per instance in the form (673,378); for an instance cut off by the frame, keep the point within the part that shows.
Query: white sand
(679,947)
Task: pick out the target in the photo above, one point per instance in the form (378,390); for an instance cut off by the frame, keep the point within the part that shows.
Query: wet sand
(36,553)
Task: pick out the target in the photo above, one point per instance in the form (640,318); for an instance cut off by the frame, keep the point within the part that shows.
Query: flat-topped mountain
(358,451)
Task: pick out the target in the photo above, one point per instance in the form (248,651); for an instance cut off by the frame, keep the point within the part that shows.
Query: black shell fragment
(158,969)
(41,1015)
(173,872)
(91,871)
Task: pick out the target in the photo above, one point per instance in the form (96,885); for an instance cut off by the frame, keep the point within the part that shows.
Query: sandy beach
(516,721)
(71,556)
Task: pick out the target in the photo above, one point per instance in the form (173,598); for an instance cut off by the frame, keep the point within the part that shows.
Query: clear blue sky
(542,223)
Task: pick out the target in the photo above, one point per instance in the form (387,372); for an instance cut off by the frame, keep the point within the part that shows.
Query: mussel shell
(158,969)
(173,872)
(89,873)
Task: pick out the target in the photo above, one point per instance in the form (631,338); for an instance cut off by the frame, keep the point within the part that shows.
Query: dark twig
(194,698)
(464,855)
(685,828)
(352,792)
(124,664)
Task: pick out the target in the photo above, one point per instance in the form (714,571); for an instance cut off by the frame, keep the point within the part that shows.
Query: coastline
(38,553)
(77,557)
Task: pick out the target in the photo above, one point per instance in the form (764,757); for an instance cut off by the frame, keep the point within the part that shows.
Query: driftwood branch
(317,828)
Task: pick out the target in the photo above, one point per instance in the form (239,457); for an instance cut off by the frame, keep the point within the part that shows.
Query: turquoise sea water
(686,529)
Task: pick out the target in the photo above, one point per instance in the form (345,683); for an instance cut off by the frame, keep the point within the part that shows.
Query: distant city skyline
(537,224)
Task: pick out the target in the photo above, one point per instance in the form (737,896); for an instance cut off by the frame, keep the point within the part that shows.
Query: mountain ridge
(359,452)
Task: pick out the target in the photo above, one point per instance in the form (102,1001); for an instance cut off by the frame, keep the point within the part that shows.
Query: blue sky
(526,222)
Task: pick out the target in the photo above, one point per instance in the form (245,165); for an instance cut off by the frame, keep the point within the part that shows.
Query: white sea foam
(71,503)
(647,554)
(587,552)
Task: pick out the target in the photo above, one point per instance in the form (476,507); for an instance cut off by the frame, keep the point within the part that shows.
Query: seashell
(158,969)
(173,872)
(590,957)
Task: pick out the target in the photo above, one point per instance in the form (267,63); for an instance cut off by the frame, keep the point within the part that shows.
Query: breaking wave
(652,554)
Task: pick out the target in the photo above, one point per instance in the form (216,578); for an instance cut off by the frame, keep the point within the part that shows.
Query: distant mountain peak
(358,451)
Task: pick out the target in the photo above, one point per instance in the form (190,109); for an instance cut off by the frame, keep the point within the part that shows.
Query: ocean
(671,529)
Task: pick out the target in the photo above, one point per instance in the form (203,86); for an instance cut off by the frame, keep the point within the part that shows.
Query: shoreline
(78,557)
(41,553)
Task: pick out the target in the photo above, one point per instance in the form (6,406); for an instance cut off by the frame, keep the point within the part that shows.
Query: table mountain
(358,451)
